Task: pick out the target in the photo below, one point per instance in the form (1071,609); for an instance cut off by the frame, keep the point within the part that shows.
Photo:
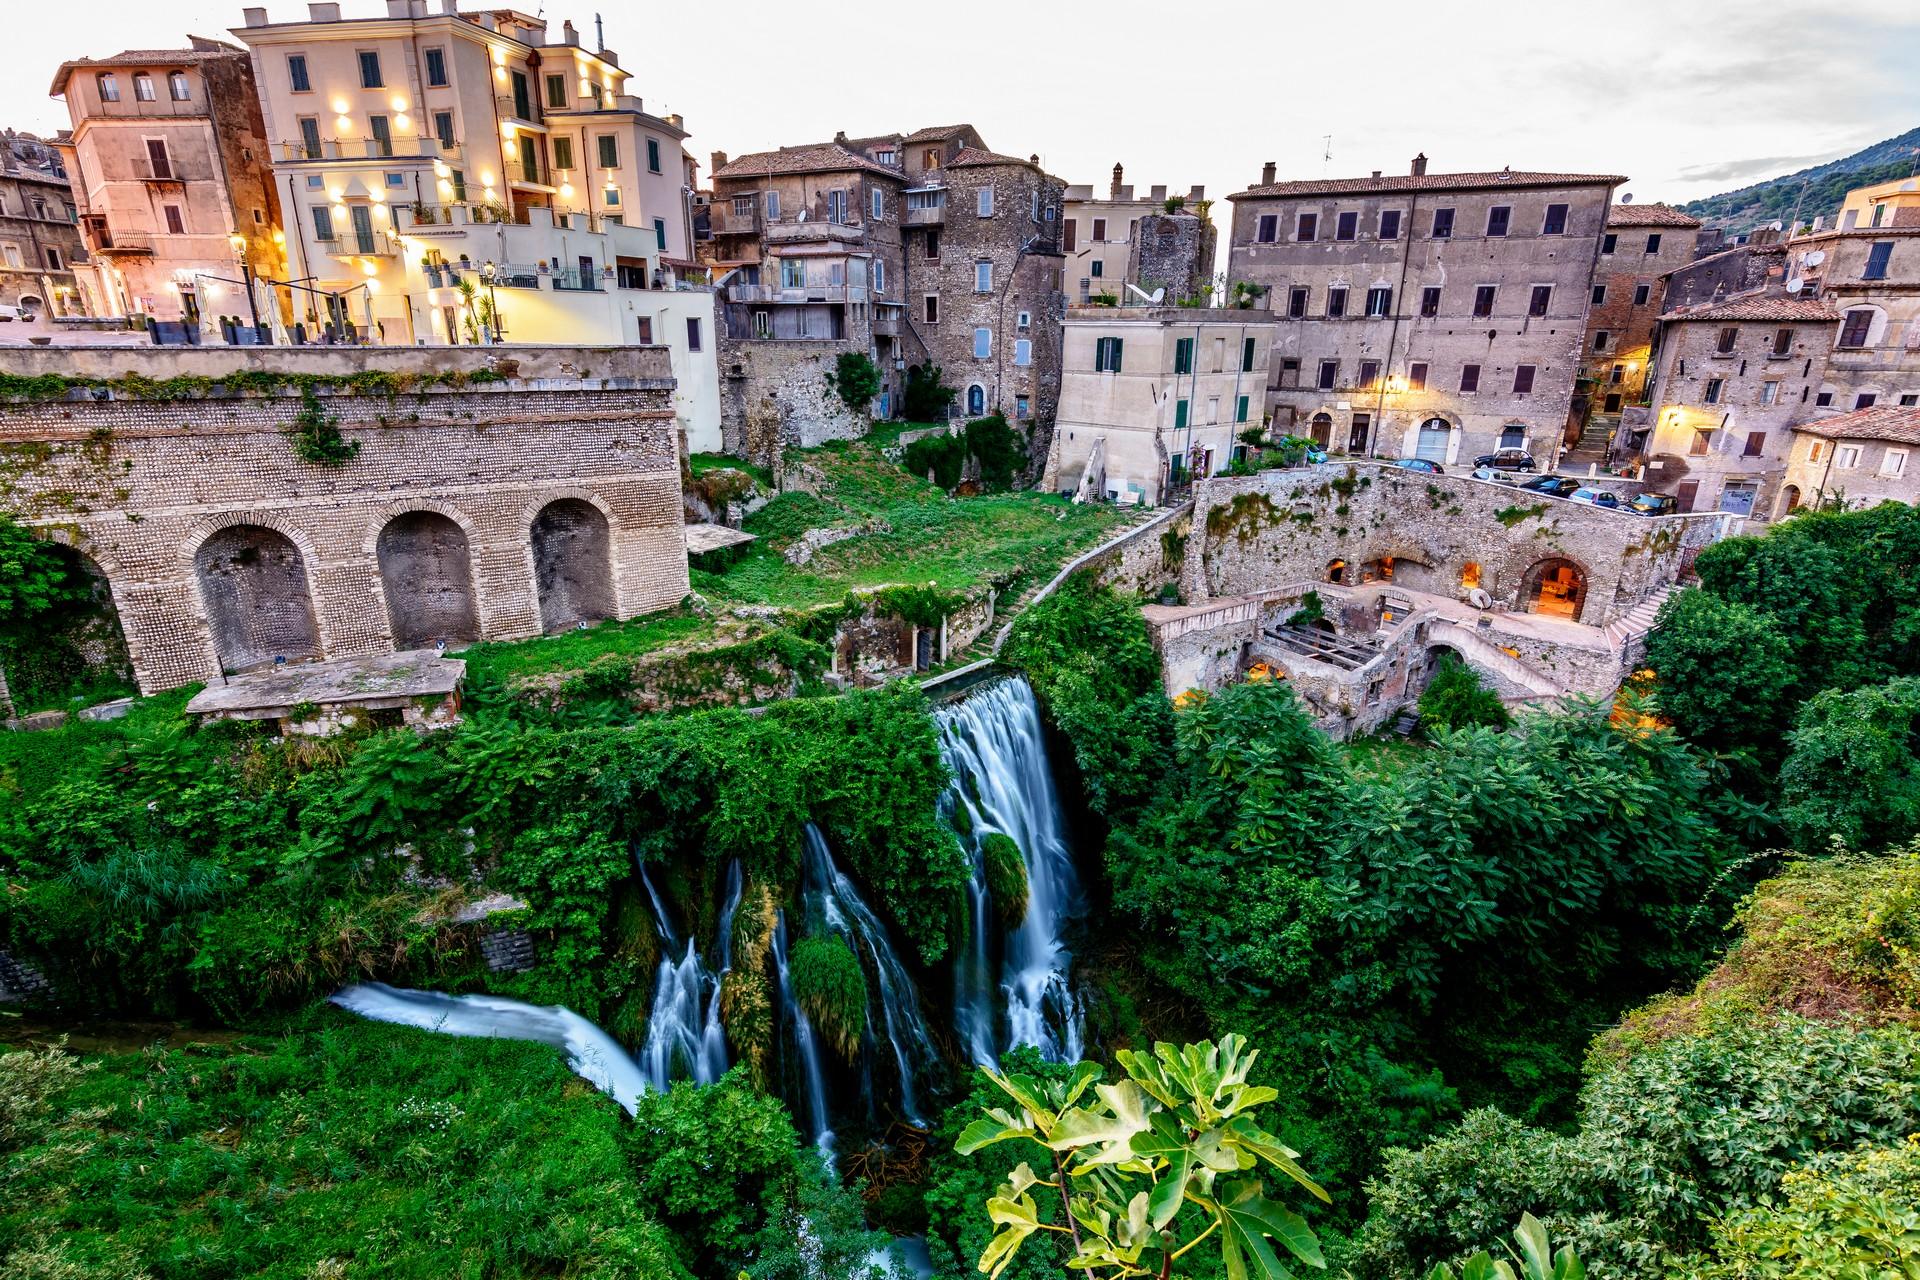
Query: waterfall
(812,1080)
(593,1054)
(1002,782)
(840,908)
(684,1034)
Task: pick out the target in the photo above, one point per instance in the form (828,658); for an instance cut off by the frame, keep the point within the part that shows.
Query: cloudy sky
(1686,97)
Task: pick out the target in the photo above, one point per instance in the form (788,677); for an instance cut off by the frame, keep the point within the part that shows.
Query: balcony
(577,280)
(725,220)
(924,209)
(124,245)
(889,322)
(423,148)
(796,295)
(172,169)
(510,113)
(812,231)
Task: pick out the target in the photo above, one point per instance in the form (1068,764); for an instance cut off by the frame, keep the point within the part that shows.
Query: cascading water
(833,900)
(684,1033)
(594,1055)
(813,1082)
(992,741)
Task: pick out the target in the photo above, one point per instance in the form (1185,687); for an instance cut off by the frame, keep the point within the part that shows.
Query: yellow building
(1886,204)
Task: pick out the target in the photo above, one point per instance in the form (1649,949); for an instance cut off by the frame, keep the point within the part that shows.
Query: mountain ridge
(1816,190)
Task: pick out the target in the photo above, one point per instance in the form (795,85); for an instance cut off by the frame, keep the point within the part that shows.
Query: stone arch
(259,603)
(1555,587)
(1789,499)
(426,573)
(1514,435)
(1321,429)
(572,547)
(1336,571)
(1433,439)
(976,400)
(1430,663)
(1469,575)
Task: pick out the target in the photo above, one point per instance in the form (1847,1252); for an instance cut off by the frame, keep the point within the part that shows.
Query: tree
(1725,670)
(1852,771)
(1536,1262)
(856,378)
(1162,1161)
(1456,698)
(925,398)
(34,581)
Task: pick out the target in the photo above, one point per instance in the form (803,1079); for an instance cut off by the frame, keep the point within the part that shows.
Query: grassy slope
(348,1149)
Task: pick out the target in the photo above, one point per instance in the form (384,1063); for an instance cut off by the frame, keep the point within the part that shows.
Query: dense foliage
(1457,698)
(993,445)
(856,378)
(926,397)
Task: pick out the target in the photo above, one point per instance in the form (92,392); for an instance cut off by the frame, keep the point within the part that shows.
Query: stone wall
(1175,250)
(1253,533)
(224,550)
(524,361)
(775,394)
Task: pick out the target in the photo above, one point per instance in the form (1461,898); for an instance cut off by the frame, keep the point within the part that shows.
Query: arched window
(976,401)
(109,87)
(1336,571)
(1436,434)
(1790,499)
(1322,430)
(1513,436)
(1557,588)
(427,573)
(253,581)
(177,86)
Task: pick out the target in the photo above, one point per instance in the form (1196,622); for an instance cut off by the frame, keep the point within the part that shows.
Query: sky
(1684,97)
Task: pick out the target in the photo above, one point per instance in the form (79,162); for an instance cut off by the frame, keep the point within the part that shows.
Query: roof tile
(1649,215)
(1882,422)
(825,157)
(1505,178)
(1768,306)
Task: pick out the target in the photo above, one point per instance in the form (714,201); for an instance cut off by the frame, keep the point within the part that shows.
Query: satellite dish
(1817,257)
(1153,297)
(1796,284)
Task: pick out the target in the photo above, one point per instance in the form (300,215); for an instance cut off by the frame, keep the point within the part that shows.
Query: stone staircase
(1596,438)
(1628,632)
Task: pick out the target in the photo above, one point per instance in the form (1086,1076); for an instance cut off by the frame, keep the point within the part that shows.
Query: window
(1306,227)
(382,140)
(1442,224)
(556,92)
(1329,374)
(983,277)
(1770,392)
(1389,224)
(1182,413)
(1824,400)
(370,77)
(443,130)
(1417,376)
(1609,242)
(1865,400)
(837,207)
(983,202)
(932,308)
(1756,444)
(109,88)
(877,203)
(1877,259)
(1728,336)
(1430,300)
(1022,351)
(1909,399)
(1601,340)
(1642,294)
(1100,229)
(1653,243)
(395,179)
(773,203)
(143,88)
(1541,300)
(1357,434)
(1297,299)
(563,159)
(1497,219)
(1369,374)
(982,343)
(1697,447)
(1022,408)
(1715,388)
(1556,221)
(1289,373)
(1346,226)
(1783,342)
(610,156)
(1379,300)
(879,275)
(159,162)
(1469,377)
(1847,457)
(1483,300)
(1599,295)
(693,333)
(660,233)
(1183,355)
(793,273)
(1265,230)
(437,68)
(1894,464)
(1853,332)
(1106,355)
(653,155)
(1246,355)
(54,260)
(1097,268)
(1337,301)
(1523,380)
(322,223)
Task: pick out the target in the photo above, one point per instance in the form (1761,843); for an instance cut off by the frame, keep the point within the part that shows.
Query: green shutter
(1240,410)
(1246,356)
(1183,355)
(1180,413)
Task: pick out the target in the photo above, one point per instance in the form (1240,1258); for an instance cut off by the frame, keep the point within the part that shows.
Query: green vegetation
(989,441)
(1456,698)
(1006,873)
(856,378)
(829,984)
(1810,193)
(368,382)
(926,396)
(316,435)
(571,650)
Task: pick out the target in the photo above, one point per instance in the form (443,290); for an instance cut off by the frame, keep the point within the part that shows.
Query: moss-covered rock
(1006,877)
(746,993)
(830,985)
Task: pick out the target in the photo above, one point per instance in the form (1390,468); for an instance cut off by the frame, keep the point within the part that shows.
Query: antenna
(1326,152)
(599,35)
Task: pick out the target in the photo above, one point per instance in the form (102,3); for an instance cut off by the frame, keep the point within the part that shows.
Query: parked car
(1595,497)
(1420,464)
(1315,454)
(1653,504)
(10,312)
(1498,477)
(1506,460)
(1552,486)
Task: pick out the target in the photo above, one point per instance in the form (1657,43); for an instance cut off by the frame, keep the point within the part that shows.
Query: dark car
(1552,486)
(1506,460)
(1652,504)
(1420,464)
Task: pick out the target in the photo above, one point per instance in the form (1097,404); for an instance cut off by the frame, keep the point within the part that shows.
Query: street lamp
(239,243)
(488,272)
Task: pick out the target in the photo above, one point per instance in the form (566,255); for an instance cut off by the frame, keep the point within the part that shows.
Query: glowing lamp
(566,191)
(403,121)
(506,131)
(399,102)
(343,123)
(440,169)
(370,268)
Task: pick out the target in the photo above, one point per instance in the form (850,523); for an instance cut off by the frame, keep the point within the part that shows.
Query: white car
(1498,477)
(8,311)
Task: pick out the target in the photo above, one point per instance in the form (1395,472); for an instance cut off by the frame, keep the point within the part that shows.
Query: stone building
(1175,251)
(40,246)
(1855,460)
(1152,396)
(1099,238)
(174,180)
(1731,380)
(494,511)
(1433,315)
(1871,277)
(455,177)
(1643,243)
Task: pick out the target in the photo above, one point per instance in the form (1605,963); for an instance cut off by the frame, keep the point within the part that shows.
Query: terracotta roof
(937,132)
(825,157)
(1649,215)
(141,58)
(1882,422)
(974,155)
(1509,178)
(1761,306)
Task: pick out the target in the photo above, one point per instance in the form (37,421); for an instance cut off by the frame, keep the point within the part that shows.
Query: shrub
(830,985)
(998,449)
(925,397)
(1456,698)
(856,378)
(1006,873)
(316,435)
(943,456)
(1842,1214)
(1852,772)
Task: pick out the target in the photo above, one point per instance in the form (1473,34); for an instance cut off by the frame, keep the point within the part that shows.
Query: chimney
(1420,165)
(1266,174)
(840,138)
(568,35)
(1034,159)
(1117,174)
(398,9)
(255,17)
(323,13)
(719,159)
(1157,194)
(1376,173)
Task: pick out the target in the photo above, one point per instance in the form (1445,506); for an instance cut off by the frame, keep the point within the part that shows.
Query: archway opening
(1336,571)
(1556,588)
(427,573)
(572,564)
(74,649)
(253,581)
(1790,499)
(1469,576)
(1321,429)
(1436,434)
(976,401)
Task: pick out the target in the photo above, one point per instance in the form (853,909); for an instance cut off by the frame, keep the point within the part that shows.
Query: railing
(417,148)
(125,244)
(577,279)
(796,294)
(933,217)
(815,229)
(722,220)
(518,170)
(148,169)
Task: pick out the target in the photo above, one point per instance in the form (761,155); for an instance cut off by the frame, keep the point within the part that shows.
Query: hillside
(1825,185)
